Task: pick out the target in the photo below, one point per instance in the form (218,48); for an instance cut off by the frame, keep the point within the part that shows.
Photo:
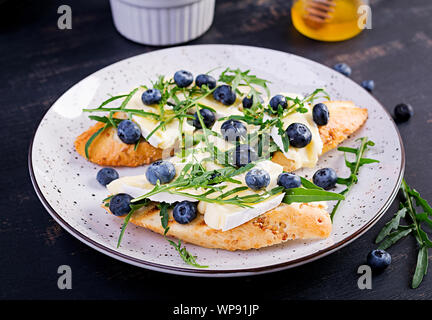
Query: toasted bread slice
(286,222)
(345,118)
(108,150)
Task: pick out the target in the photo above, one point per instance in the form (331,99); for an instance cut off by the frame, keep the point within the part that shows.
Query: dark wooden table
(39,62)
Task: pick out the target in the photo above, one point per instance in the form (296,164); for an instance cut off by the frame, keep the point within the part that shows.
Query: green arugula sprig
(186,256)
(353,166)
(394,231)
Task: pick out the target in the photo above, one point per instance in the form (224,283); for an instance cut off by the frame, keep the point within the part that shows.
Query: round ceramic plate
(66,184)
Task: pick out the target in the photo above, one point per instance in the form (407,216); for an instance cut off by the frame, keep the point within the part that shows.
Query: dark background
(39,62)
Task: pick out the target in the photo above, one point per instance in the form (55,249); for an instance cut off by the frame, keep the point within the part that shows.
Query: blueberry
(151,96)
(209,81)
(128,131)
(320,114)
(185,211)
(208,118)
(119,204)
(183,78)
(289,180)
(232,130)
(402,112)
(247,102)
(164,171)
(257,179)
(369,85)
(242,155)
(343,68)
(378,260)
(325,178)
(299,135)
(225,94)
(106,175)
(278,100)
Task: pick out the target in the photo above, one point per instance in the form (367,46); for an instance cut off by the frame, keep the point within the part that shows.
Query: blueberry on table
(402,112)
(151,96)
(128,132)
(325,178)
(369,85)
(278,100)
(257,179)
(207,116)
(120,204)
(183,78)
(185,211)
(106,175)
(289,180)
(378,260)
(242,155)
(232,130)
(205,79)
(225,94)
(299,135)
(161,170)
(343,68)
(320,114)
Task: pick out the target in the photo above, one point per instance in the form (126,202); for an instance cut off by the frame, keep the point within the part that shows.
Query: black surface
(39,62)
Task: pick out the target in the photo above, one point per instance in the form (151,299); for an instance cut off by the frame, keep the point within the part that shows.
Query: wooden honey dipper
(318,12)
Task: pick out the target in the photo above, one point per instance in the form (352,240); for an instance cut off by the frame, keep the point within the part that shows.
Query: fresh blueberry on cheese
(232,130)
(161,170)
(242,155)
(278,100)
(120,204)
(403,112)
(151,96)
(207,116)
(106,175)
(299,135)
(289,180)
(128,131)
(183,78)
(378,260)
(225,94)
(205,79)
(343,68)
(369,85)
(320,114)
(247,102)
(257,179)
(185,211)
(325,178)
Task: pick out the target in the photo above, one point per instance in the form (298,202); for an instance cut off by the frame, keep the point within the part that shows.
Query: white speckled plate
(66,185)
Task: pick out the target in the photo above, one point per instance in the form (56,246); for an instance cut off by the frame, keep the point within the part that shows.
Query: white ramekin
(162,22)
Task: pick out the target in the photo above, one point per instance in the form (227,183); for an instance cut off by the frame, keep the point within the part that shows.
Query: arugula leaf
(393,224)
(94,135)
(163,207)
(353,166)
(421,268)
(309,185)
(394,237)
(310,195)
(185,255)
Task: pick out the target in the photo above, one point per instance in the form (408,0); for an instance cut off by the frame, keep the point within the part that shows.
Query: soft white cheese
(137,186)
(307,156)
(227,216)
(164,138)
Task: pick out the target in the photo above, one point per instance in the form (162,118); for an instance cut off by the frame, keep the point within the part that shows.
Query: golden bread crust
(108,150)
(286,222)
(345,118)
